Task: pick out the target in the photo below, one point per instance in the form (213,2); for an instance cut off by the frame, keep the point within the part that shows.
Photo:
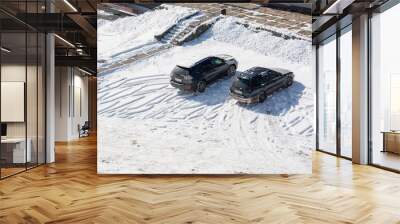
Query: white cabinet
(19,155)
(12,101)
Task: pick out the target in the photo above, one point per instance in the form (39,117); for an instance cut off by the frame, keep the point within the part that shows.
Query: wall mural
(204,89)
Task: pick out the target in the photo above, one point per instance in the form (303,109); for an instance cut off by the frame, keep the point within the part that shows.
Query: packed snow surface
(229,31)
(147,126)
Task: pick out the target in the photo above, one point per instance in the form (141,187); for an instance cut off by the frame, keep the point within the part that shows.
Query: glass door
(385,90)
(346,92)
(327,96)
(14,155)
(22,78)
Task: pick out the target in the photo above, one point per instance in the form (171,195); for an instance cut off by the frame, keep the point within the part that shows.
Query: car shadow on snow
(279,102)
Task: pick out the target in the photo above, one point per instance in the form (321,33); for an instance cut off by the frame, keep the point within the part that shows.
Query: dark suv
(197,76)
(255,84)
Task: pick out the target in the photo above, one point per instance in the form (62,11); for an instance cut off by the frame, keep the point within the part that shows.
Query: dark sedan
(197,76)
(255,84)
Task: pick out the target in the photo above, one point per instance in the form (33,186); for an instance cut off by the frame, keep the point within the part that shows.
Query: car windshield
(245,81)
(243,84)
(216,62)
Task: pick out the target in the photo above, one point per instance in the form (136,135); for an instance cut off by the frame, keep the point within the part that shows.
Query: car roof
(189,64)
(252,72)
(224,56)
(280,70)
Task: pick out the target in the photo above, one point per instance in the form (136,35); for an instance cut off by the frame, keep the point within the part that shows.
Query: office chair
(84,130)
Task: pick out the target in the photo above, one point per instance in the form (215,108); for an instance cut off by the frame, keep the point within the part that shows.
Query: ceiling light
(86,72)
(70,5)
(79,51)
(5,50)
(65,41)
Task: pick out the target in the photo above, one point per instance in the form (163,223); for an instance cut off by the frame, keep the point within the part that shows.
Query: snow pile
(133,31)
(100,15)
(147,126)
(228,30)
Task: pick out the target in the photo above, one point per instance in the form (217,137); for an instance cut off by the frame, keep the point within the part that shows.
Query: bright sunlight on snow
(147,126)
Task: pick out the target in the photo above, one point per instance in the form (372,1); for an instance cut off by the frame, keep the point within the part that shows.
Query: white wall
(13,100)
(71,102)
(17,72)
(62,81)
(80,104)
(9,73)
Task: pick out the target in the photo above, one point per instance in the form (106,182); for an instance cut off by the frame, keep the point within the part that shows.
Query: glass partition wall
(334,105)
(385,90)
(22,77)
(334,83)
(327,95)
(13,89)
(345,62)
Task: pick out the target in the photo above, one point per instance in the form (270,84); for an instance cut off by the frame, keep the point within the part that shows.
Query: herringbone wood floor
(70,191)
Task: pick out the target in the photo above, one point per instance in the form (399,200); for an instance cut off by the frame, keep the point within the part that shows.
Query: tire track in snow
(245,129)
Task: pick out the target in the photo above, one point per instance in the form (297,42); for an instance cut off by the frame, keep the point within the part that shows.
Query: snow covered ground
(147,126)
(131,33)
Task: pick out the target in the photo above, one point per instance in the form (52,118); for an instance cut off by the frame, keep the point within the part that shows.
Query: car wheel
(289,82)
(201,86)
(231,71)
(262,97)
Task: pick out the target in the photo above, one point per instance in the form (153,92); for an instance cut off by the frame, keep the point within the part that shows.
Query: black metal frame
(369,114)
(339,32)
(338,75)
(44,70)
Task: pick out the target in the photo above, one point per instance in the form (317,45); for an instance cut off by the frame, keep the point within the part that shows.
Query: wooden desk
(13,150)
(391,141)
